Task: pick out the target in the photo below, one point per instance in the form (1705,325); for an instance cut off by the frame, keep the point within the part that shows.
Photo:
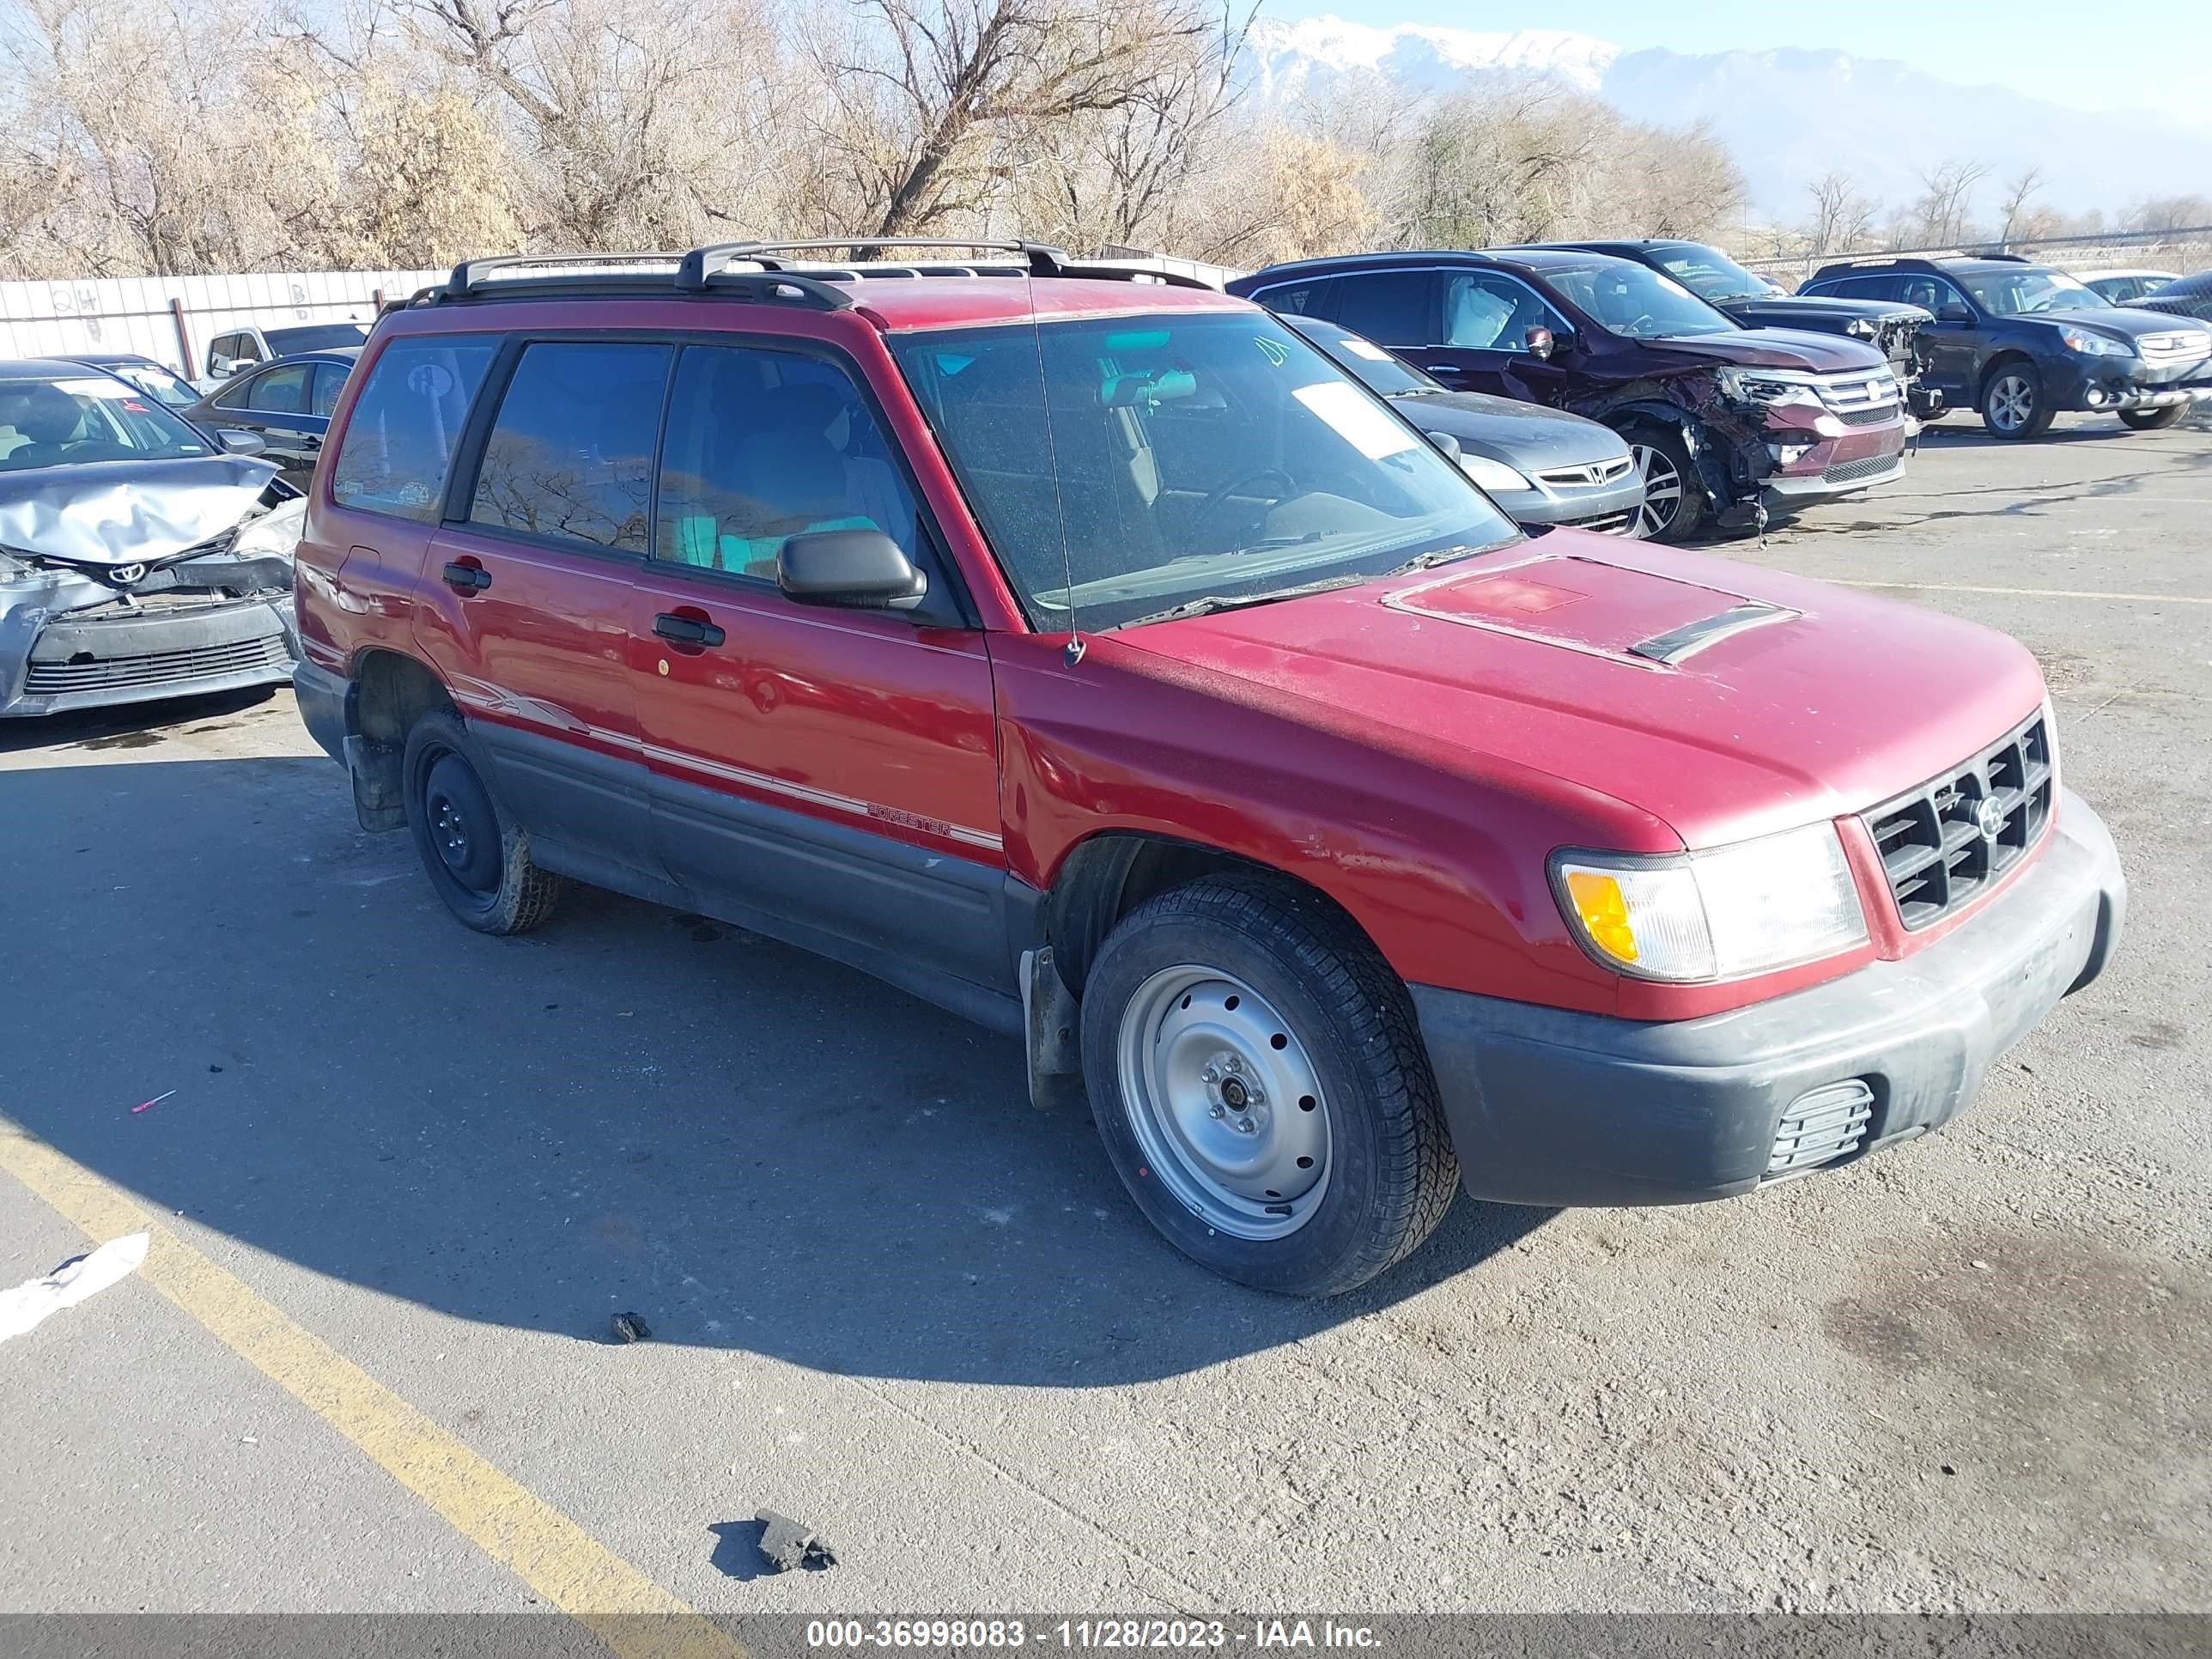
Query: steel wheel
(1224,1102)
(1662,491)
(2011,403)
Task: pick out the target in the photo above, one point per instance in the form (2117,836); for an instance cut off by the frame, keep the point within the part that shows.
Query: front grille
(1845,394)
(83,672)
(1937,845)
(2184,346)
(1589,477)
(1606,524)
(1868,416)
(1851,471)
(1820,1127)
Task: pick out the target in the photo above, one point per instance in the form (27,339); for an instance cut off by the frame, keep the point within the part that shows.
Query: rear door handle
(687,630)
(467,578)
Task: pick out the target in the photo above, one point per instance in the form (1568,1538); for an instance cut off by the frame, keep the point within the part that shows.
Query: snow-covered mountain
(1789,116)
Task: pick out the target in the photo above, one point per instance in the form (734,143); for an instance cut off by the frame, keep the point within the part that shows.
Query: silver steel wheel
(1224,1102)
(1663,489)
(2012,403)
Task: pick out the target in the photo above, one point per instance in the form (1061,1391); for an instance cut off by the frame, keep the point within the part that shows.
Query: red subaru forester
(1087,654)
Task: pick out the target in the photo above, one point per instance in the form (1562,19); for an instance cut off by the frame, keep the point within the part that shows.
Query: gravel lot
(890,1299)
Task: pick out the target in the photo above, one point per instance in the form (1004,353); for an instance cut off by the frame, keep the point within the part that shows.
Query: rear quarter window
(398,445)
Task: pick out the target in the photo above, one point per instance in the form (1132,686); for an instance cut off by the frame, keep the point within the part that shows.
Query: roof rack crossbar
(470,273)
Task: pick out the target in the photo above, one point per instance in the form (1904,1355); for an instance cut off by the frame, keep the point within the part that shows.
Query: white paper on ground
(70,1284)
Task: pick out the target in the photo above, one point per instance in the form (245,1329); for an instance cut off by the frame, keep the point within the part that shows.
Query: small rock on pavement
(631,1328)
(786,1544)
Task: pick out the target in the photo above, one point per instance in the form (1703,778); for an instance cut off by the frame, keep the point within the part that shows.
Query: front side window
(762,444)
(330,380)
(569,457)
(1124,466)
(398,444)
(1634,300)
(94,417)
(1488,311)
(1929,292)
(2028,292)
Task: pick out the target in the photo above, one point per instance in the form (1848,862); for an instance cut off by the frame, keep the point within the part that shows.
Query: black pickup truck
(1751,300)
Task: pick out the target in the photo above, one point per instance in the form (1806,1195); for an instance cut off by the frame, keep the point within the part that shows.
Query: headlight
(2094,345)
(1718,915)
(277,530)
(1747,386)
(1492,475)
(1859,328)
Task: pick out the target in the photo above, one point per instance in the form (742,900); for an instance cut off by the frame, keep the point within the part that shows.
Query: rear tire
(1259,1081)
(1674,501)
(2013,407)
(2154,419)
(478,858)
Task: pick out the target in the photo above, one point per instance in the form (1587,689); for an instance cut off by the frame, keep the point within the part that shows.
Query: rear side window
(330,380)
(1316,299)
(570,453)
(399,444)
(763,444)
(1390,307)
(281,391)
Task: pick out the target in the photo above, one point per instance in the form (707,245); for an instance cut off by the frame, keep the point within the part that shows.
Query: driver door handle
(467,578)
(687,630)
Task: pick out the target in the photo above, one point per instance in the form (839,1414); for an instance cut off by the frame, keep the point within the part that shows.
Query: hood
(2124,321)
(1602,664)
(128,512)
(1820,311)
(1779,347)
(1522,436)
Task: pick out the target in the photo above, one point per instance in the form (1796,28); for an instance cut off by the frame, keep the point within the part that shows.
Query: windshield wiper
(1207,603)
(1436,556)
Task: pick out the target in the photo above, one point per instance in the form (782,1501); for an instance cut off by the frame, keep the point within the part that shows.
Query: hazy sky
(2092,55)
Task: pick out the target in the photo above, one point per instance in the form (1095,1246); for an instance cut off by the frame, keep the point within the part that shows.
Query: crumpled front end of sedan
(120,584)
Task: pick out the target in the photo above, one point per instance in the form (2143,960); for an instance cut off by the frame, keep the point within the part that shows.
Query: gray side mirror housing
(1445,441)
(1954,312)
(240,443)
(848,569)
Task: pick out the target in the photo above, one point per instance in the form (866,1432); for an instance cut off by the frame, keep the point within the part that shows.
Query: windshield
(2027,290)
(1368,363)
(156,381)
(1712,275)
(1189,457)
(93,418)
(320,336)
(1634,300)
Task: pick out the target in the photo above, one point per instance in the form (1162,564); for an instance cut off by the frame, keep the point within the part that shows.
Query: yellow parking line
(563,1564)
(2026,592)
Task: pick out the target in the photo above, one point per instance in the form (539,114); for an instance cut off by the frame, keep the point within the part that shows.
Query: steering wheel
(1214,500)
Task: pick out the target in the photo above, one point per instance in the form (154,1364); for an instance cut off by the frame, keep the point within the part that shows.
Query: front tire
(1259,1081)
(478,858)
(2154,419)
(1674,502)
(2014,406)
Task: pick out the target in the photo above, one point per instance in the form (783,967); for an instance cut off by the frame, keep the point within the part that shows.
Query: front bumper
(1835,465)
(1607,508)
(176,647)
(1551,1107)
(2105,386)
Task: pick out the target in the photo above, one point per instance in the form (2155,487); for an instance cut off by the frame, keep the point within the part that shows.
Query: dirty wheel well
(1109,875)
(391,693)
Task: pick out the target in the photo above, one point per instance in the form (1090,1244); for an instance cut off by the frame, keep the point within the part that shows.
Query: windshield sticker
(1366,349)
(1357,421)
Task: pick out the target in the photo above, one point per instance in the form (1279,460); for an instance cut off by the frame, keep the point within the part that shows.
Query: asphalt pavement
(405,1175)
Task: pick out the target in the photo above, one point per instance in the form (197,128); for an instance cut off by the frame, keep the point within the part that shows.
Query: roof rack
(760,270)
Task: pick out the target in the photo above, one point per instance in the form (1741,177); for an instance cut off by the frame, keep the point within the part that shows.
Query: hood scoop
(1593,606)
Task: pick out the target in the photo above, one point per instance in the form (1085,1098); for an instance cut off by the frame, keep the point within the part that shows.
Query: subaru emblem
(1990,818)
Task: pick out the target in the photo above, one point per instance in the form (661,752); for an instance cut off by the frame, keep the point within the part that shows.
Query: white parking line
(2026,592)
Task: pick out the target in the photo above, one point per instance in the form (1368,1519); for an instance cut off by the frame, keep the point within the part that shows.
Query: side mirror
(1445,441)
(1542,342)
(852,569)
(240,443)
(1955,313)
(222,368)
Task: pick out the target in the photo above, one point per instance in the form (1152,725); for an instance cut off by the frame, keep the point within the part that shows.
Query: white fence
(172,319)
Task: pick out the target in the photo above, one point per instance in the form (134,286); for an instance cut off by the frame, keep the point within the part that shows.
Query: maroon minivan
(1095,658)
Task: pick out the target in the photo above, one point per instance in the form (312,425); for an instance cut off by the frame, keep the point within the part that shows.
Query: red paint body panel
(1416,747)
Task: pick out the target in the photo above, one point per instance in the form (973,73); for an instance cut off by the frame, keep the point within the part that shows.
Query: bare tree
(2018,193)
(1842,218)
(1940,216)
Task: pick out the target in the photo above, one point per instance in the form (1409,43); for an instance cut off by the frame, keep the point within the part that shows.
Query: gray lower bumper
(1604,507)
(1550,1107)
(55,664)
(321,697)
